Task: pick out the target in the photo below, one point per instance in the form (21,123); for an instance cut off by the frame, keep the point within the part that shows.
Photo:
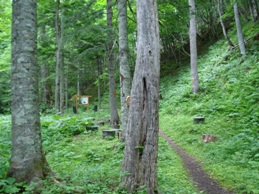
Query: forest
(125,96)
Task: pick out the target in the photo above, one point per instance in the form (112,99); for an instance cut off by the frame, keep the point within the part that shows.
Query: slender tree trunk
(230,44)
(66,88)
(61,62)
(141,146)
(255,7)
(57,80)
(44,74)
(43,71)
(125,78)
(28,162)
(114,117)
(78,79)
(193,48)
(239,31)
(98,62)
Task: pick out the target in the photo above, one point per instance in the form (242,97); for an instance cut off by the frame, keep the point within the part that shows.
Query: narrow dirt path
(197,174)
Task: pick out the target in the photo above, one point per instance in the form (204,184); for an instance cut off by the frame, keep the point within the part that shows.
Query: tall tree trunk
(44,74)
(98,62)
(193,48)
(66,88)
(239,31)
(28,162)
(61,63)
(78,79)
(141,140)
(57,80)
(255,7)
(43,71)
(230,44)
(125,78)
(114,117)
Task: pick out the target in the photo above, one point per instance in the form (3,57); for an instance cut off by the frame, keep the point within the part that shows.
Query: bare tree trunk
(57,80)
(114,117)
(44,74)
(239,31)
(28,162)
(66,88)
(253,7)
(78,79)
(141,146)
(43,71)
(98,62)
(61,62)
(193,48)
(125,78)
(230,44)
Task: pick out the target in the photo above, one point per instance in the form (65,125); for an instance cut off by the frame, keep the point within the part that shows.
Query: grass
(228,99)
(84,162)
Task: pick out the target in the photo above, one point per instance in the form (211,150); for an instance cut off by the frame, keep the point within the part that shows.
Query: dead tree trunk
(141,146)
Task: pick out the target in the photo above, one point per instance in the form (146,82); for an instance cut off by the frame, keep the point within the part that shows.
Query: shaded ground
(197,174)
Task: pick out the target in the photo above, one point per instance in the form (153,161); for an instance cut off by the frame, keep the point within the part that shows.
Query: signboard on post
(82,100)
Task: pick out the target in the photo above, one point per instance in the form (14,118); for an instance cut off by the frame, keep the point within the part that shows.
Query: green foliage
(5,144)
(8,186)
(86,163)
(5,55)
(229,100)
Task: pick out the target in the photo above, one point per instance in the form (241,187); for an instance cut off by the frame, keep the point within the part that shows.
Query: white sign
(84,100)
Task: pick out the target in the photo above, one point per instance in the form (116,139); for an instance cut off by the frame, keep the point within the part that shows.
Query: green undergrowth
(84,162)
(229,101)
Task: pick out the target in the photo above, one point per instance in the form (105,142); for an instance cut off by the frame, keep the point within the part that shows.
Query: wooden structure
(82,100)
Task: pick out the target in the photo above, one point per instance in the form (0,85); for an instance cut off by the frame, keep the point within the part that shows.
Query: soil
(198,176)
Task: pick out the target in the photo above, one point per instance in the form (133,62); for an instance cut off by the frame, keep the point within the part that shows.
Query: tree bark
(57,80)
(193,48)
(61,63)
(230,44)
(141,137)
(28,162)
(114,117)
(241,42)
(99,72)
(43,71)
(125,78)
(78,79)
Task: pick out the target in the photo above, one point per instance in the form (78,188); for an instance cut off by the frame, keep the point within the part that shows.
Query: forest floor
(198,176)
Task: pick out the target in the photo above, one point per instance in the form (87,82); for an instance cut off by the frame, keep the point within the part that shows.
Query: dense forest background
(73,42)
(83,43)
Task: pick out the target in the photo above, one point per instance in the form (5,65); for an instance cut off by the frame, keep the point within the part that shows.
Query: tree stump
(100,123)
(207,138)
(197,120)
(91,128)
(112,133)
(108,133)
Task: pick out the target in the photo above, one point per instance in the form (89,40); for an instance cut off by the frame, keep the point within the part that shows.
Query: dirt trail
(197,174)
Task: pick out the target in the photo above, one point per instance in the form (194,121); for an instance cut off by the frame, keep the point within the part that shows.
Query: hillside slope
(229,101)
